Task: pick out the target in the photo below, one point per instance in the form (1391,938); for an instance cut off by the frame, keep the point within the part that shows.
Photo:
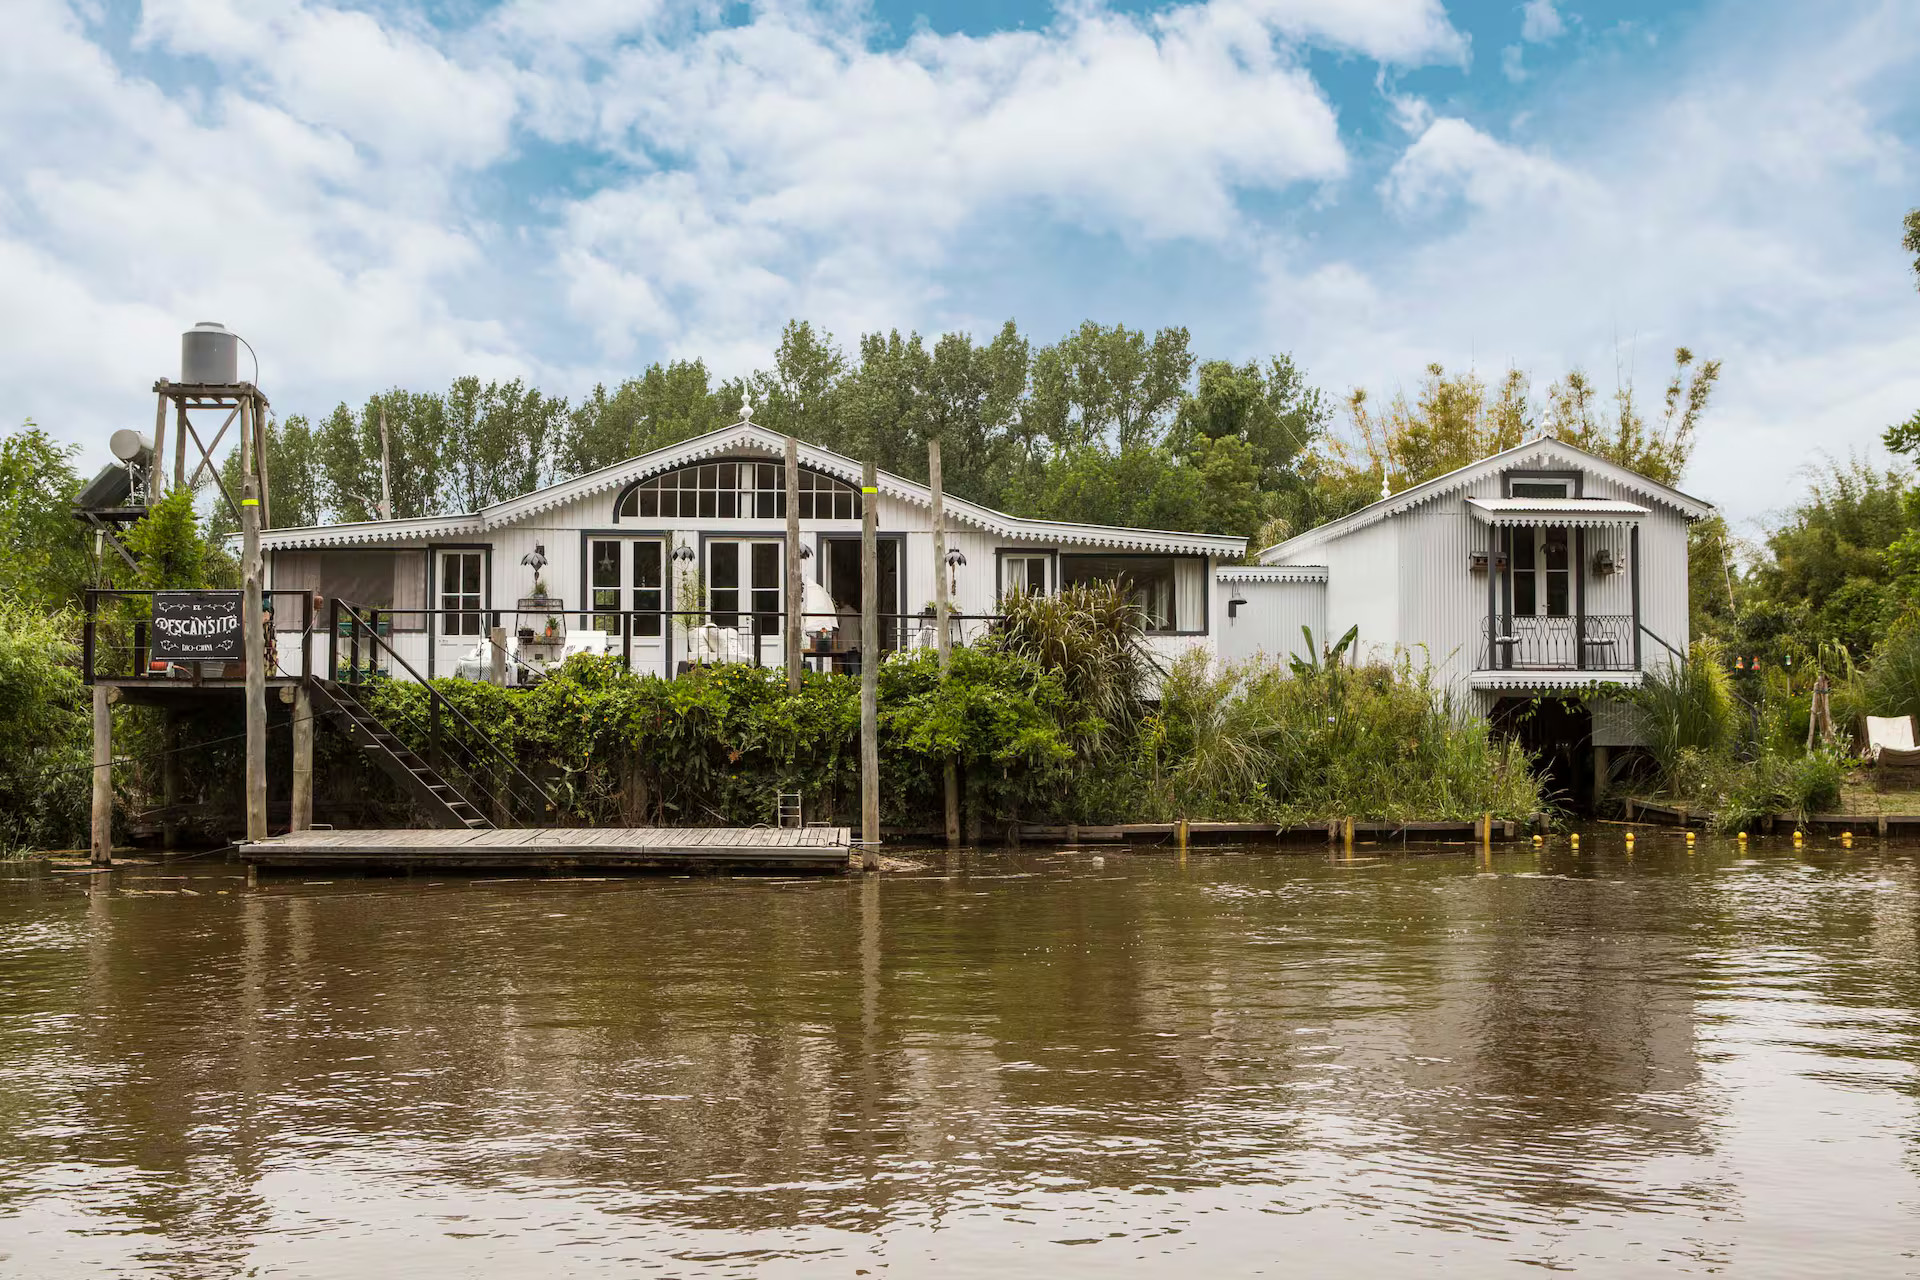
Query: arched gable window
(736,491)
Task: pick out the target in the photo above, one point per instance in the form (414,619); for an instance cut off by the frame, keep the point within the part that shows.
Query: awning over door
(1573,513)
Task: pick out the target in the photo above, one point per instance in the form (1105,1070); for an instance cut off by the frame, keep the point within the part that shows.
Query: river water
(1009,1064)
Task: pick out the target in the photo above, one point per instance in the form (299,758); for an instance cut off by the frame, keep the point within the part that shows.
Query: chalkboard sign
(197,625)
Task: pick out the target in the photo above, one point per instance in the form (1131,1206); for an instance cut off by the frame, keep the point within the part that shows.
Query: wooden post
(386,468)
(942,641)
(497,641)
(260,459)
(102,775)
(251,625)
(1180,832)
(169,778)
(158,472)
(302,758)
(179,448)
(796,583)
(869,670)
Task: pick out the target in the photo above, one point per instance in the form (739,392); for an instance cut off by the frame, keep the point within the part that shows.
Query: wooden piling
(942,641)
(302,758)
(497,653)
(102,775)
(869,669)
(170,778)
(796,584)
(252,626)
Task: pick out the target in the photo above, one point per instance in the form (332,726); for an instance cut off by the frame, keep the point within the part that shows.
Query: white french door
(1542,572)
(627,590)
(746,585)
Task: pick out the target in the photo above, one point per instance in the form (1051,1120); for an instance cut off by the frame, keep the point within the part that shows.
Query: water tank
(129,445)
(209,354)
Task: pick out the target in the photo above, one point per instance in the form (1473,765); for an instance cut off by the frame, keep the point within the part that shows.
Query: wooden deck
(561,848)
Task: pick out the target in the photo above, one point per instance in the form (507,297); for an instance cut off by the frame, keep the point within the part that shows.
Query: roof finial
(1385,492)
(746,407)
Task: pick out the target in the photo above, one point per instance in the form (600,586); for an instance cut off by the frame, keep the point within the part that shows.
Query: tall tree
(346,449)
(800,394)
(1451,422)
(43,549)
(665,405)
(1624,436)
(1108,387)
(501,437)
(975,393)
(1912,242)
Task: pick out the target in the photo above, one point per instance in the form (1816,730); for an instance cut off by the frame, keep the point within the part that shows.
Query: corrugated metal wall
(1363,588)
(1268,624)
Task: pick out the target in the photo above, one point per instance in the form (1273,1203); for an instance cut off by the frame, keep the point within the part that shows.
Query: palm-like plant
(1093,637)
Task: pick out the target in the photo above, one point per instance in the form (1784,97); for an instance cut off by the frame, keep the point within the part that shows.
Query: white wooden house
(1540,570)
(680,555)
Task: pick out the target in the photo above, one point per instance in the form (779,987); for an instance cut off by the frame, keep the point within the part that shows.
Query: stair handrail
(440,700)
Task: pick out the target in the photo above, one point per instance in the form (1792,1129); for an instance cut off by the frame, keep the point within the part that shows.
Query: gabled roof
(1544,451)
(748,437)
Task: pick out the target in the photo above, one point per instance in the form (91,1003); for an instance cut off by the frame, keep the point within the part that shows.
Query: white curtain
(1190,594)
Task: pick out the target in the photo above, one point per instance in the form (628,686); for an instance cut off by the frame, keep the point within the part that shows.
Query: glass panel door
(745,589)
(603,577)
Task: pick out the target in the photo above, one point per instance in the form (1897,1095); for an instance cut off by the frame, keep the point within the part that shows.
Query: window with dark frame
(738,491)
(649,588)
(1023,575)
(461,594)
(1148,579)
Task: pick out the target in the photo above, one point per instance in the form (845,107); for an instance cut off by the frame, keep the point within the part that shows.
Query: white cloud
(797,145)
(1452,158)
(1540,22)
(1749,212)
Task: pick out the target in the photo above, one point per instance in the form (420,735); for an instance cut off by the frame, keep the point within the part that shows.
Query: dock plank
(557,847)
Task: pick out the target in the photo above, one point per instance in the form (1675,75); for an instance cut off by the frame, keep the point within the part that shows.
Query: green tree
(665,405)
(45,561)
(44,720)
(1912,241)
(1658,452)
(1829,574)
(1108,386)
(501,437)
(345,449)
(799,396)
(1451,422)
(169,547)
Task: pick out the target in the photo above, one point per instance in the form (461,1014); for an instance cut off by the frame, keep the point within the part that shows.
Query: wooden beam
(869,669)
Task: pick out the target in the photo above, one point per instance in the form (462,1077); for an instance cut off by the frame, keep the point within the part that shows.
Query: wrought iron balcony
(1597,642)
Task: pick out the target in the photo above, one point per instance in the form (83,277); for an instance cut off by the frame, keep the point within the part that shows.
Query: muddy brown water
(1089,1063)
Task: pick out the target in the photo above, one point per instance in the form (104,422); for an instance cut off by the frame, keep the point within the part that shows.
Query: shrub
(45,721)
(1687,706)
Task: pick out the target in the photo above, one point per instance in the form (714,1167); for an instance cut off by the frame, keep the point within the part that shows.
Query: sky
(396,194)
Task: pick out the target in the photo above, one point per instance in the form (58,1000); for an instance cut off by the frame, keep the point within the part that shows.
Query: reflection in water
(1009,1065)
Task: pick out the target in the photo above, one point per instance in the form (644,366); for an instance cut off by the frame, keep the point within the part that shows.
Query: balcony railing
(1598,642)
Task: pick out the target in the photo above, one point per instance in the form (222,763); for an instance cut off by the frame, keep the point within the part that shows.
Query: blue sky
(384,194)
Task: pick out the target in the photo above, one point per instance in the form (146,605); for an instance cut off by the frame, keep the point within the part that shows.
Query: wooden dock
(561,848)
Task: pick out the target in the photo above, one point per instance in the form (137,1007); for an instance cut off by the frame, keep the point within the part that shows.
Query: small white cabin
(1541,569)
(679,556)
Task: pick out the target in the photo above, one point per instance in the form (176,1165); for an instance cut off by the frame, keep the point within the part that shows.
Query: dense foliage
(44,720)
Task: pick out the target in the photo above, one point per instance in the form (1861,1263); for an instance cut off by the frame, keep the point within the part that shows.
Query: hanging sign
(197,626)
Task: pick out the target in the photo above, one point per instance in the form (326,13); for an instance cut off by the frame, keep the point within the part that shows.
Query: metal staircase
(437,798)
(467,780)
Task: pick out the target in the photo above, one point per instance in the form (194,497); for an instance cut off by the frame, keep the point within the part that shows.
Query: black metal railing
(1597,642)
(519,647)
(117,639)
(472,762)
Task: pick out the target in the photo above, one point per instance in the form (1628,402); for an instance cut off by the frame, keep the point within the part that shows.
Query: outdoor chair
(1890,749)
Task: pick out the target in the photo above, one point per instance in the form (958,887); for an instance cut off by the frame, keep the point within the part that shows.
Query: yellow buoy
(1798,836)
(1743,837)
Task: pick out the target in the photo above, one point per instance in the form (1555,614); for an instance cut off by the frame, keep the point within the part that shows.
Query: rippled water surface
(1249,1063)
